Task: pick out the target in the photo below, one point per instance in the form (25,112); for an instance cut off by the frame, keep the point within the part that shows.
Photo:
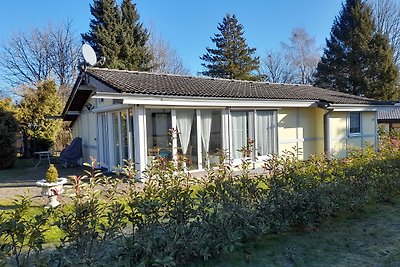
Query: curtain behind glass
(239,133)
(184,121)
(206,120)
(266,133)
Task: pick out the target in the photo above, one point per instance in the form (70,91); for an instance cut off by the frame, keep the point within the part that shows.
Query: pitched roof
(389,115)
(144,83)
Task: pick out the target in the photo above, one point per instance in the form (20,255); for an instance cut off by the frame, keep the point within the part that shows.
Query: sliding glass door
(253,133)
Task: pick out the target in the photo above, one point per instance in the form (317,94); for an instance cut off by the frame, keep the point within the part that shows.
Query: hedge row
(176,219)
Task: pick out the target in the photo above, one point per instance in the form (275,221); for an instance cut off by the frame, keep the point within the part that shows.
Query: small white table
(43,155)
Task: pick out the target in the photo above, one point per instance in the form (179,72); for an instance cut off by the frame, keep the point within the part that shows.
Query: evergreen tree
(358,59)
(232,58)
(32,112)
(116,34)
(8,133)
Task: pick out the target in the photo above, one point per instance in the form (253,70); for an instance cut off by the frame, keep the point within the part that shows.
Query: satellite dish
(89,55)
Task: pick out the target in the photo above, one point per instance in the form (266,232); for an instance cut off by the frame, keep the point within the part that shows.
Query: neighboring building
(390,119)
(126,114)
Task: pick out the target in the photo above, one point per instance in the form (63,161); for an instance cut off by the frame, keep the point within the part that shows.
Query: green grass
(370,237)
(52,236)
(20,168)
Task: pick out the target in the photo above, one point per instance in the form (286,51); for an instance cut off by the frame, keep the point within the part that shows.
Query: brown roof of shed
(145,83)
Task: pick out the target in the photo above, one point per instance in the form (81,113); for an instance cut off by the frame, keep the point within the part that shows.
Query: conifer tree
(232,58)
(32,112)
(358,59)
(116,34)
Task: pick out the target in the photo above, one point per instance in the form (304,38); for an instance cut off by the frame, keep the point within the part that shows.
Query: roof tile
(146,83)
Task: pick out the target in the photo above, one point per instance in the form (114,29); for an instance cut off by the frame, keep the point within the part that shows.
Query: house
(390,119)
(129,115)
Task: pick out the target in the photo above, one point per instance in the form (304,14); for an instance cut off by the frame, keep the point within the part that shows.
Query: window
(258,126)
(355,122)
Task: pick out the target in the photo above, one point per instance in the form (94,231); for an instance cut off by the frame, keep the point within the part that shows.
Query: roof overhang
(342,107)
(129,99)
(77,99)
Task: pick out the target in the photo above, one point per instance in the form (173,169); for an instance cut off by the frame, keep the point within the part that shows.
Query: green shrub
(8,132)
(51,174)
(175,218)
(22,235)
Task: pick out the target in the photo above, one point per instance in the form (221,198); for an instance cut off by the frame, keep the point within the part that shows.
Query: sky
(187,25)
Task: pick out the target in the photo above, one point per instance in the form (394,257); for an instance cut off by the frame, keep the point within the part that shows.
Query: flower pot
(52,190)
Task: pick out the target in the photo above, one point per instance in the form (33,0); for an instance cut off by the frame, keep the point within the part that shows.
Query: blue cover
(73,152)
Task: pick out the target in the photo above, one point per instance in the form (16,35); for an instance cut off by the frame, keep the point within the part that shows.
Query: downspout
(327,134)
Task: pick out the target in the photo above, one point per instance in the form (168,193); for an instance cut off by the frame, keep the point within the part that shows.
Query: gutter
(327,126)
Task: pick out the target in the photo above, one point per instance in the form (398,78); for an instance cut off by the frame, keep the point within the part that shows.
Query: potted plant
(52,186)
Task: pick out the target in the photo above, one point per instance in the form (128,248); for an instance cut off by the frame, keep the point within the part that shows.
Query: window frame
(351,118)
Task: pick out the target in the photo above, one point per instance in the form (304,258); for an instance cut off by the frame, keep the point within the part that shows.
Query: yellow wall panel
(287,124)
(368,122)
(338,127)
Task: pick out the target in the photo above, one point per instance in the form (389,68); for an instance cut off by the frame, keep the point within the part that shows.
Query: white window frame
(350,133)
(253,135)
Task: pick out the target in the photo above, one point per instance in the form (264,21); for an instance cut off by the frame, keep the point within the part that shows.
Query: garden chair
(72,153)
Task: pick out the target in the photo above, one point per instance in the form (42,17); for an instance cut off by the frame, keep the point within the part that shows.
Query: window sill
(355,135)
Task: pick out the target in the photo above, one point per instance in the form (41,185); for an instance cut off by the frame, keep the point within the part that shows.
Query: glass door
(104,159)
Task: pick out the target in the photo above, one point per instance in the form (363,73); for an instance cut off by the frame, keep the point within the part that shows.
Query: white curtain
(184,121)
(266,133)
(239,132)
(206,120)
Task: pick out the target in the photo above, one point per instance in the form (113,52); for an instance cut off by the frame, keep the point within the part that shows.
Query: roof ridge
(199,77)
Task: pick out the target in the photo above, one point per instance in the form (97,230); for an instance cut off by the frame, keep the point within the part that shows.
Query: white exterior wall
(85,127)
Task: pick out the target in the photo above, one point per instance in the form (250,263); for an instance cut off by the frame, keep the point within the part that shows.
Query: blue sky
(188,25)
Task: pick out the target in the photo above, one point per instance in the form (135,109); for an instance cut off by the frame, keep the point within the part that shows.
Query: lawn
(19,169)
(370,237)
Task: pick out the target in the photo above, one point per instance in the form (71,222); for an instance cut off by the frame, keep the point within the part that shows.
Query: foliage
(174,218)
(21,235)
(116,34)
(232,58)
(8,132)
(32,112)
(51,174)
(358,59)
(93,220)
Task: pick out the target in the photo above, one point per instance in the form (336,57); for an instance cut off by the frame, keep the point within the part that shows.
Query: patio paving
(10,187)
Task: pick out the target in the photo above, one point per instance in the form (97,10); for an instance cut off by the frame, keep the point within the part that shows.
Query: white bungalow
(128,115)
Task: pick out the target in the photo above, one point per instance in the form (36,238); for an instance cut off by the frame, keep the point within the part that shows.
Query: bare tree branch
(276,68)
(302,53)
(51,52)
(386,14)
(166,59)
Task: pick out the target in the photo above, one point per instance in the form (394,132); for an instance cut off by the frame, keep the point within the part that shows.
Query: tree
(8,133)
(302,54)
(232,58)
(48,53)
(33,111)
(116,34)
(165,58)
(357,58)
(276,68)
(386,14)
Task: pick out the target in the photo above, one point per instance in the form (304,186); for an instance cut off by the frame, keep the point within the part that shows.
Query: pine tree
(116,34)
(358,58)
(232,58)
